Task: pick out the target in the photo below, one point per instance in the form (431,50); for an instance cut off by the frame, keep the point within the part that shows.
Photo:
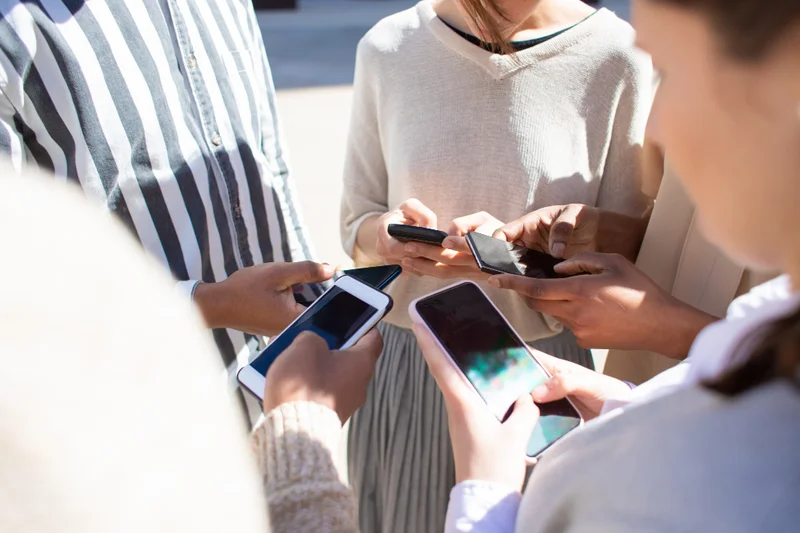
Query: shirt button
(216,139)
(192,61)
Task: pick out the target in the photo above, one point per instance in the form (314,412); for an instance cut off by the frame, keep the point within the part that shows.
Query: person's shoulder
(392,33)
(612,43)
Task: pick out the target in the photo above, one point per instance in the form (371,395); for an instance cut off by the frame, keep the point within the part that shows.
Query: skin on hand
(453,259)
(614,306)
(308,371)
(484,448)
(258,299)
(588,390)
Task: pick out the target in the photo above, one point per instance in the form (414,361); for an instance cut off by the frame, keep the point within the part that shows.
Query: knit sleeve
(365,177)
(295,446)
(621,186)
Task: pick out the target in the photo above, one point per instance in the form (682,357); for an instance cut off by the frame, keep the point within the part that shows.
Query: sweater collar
(498,65)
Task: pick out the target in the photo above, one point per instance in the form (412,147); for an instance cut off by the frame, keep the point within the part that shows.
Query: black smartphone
(405,233)
(378,277)
(493,357)
(500,257)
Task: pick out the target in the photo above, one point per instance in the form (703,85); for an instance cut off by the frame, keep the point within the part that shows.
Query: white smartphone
(341,315)
(493,358)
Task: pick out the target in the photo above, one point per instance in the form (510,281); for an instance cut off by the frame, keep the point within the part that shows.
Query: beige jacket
(676,256)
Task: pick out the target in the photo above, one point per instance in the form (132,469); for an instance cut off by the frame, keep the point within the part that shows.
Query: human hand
(559,230)
(588,390)
(258,299)
(454,258)
(484,448)
(615,306)
(309,371)
(411,212)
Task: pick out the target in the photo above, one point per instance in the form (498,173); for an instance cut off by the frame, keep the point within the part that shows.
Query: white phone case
(254,382)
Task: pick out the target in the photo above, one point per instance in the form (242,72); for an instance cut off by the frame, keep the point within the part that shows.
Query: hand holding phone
(495,256)
(498,365)
(341,316)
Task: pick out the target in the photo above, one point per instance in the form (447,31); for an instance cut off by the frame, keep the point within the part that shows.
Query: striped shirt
(164,112)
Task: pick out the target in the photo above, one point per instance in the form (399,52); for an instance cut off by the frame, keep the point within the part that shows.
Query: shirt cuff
(480,506)
(187,288)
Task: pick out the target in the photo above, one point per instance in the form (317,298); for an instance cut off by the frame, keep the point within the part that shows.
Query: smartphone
(404,233)
(500,257)
(378,277)
(493,358)
(341,315)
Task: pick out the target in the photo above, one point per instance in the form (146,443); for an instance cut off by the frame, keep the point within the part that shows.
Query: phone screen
(335,316)
(378,277)
(493,359)
(506,257)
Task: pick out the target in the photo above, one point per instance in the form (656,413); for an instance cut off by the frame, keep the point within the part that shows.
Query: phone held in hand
(378,277)
(500,257)
(493,358)
(342,315)
(405,233)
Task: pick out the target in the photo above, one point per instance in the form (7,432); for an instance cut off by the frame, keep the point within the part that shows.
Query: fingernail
(558,249)
(410,248)
(494,281)
(539,392)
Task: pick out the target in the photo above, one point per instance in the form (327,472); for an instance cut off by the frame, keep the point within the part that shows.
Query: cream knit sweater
(463,130)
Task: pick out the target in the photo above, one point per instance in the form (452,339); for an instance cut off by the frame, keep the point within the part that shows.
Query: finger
(288,274)
(523,417)
(540,289)
(307,342)
(438,254)
(459,244)
(562,310)
(426,267)
(562,230)
(463,225)
(418,212)
(359,360)
(590,263)
(527,230)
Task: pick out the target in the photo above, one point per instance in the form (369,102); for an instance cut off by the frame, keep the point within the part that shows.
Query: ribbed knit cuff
(297,442)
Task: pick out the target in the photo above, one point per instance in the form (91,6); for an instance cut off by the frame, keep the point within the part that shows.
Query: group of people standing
(531,120)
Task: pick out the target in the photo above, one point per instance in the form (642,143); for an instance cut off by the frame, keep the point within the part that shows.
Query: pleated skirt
(400,462)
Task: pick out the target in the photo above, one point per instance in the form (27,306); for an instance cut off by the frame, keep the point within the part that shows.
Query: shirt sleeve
(621,189)
(365,190)
(478,507)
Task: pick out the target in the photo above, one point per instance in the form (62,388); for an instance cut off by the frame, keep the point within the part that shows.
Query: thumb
(419,213)
(589,263)
(359,360)
(523,417)
(289,274)
(562,229)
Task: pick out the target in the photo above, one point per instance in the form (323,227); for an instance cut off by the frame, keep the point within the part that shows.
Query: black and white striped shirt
(164,111)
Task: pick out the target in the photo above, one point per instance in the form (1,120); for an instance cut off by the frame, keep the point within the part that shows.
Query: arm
(295,446)
(365,194)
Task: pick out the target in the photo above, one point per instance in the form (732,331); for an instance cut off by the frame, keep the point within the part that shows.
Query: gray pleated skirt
(399,457)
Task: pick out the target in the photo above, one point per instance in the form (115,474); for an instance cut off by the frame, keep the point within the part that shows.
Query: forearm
(679,327)
(295,447)
(621,234)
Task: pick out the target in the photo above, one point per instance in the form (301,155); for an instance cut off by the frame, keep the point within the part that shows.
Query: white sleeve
(479,506)
(365,190)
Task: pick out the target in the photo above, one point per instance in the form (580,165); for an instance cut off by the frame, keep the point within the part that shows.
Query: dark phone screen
(378,277)
(512,259)
(335,316)
(493,358)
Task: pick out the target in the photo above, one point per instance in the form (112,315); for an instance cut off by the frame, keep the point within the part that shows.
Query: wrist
(684,323)
(210,299)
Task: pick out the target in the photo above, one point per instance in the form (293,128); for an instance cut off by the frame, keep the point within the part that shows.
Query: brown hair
(747,31)
(484,14)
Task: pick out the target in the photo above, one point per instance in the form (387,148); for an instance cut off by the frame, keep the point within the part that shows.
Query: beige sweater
(463,130)
(112,414)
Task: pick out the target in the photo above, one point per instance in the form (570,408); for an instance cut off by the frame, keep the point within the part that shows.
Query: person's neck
(545,17)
